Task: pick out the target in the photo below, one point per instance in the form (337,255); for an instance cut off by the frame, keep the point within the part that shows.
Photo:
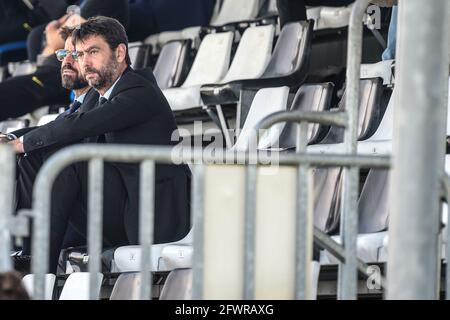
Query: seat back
(139,54)
(266,102)
(77,286)
(309,97)
(212,60)
(369,112)
(235,11)
(252,54)
(373,202)
(327,198)
(28,283)
(172,63)
(291,53)
(12,125)
(127,287)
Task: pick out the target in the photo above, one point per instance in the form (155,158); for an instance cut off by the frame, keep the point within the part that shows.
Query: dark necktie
(74,106)
(102,101)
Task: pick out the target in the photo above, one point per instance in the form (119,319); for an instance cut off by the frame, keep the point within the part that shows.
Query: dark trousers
(24,94)
(295,10)
(69,205)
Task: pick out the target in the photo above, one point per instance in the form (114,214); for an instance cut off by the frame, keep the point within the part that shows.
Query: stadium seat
(178,285)
(139,54)
(235,11)
(76,286)
(309,97)
(231,12)
(373,218)
(171,66)
(128,258)
(329,17)
(370,115)
(127,287)
(375,126)
(28,282)
(251,58)
(287,67)
(210,65)
(266,102)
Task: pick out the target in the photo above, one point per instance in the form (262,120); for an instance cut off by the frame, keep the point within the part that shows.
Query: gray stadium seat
(373,218)
(370,115)
(128,258)
(230,12)
(127,287)
(178,285)
(139,54)
(309,97)
(251,58)
(171,66)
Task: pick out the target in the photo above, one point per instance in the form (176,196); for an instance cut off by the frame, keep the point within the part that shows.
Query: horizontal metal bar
(178,155)
(336,118)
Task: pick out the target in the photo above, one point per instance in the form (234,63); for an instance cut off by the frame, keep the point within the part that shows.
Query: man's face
(98,62)
(71,76)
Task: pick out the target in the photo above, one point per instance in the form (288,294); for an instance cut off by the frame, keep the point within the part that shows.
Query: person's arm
(130,108)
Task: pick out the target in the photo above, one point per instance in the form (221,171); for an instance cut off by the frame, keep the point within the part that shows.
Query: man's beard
(72,82)
(106,75)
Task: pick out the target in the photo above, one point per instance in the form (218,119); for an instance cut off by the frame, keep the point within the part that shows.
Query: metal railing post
(7,168)
(418,148)
(250,232)
(146,225)
(303,220)
(198,182)
(95,223)
(347,280)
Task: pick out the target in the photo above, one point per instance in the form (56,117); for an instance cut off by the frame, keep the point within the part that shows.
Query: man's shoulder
(132,78)
(132,81)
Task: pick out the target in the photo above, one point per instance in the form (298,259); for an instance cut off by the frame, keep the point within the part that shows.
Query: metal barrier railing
(303,118)
(148,156)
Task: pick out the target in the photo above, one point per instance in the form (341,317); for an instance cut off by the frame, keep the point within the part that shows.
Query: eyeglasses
(61,54)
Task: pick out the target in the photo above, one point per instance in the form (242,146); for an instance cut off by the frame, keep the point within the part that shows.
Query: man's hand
(17,146)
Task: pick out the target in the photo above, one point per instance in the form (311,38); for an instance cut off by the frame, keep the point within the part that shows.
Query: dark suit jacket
(136,113)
